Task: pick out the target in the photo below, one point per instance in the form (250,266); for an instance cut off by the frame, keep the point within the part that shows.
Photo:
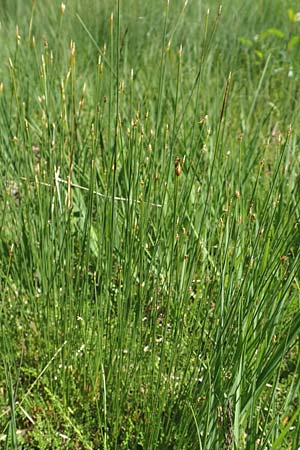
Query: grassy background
(149,234)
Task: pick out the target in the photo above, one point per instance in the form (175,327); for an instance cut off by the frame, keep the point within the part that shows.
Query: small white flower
(297,17)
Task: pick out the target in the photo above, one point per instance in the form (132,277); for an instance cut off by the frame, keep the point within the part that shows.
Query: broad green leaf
(272,32)
(259,54)
(246,41)
(291,14)
(295,40)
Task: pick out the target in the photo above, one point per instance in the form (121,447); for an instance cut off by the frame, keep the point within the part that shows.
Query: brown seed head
(283,259)
(177,167)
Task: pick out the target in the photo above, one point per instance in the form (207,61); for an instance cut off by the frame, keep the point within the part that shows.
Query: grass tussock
(149,226)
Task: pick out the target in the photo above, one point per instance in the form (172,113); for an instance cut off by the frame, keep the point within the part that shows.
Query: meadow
(149,225)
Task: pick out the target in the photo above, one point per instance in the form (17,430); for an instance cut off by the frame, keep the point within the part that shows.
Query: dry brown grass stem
(84,188)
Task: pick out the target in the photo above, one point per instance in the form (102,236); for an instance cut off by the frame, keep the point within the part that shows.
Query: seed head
(177,167)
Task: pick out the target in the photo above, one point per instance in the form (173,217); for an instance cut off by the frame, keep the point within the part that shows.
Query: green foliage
(281,43)
(149,245)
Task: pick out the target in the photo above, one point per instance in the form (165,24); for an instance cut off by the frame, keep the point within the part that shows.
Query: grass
(149,270)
